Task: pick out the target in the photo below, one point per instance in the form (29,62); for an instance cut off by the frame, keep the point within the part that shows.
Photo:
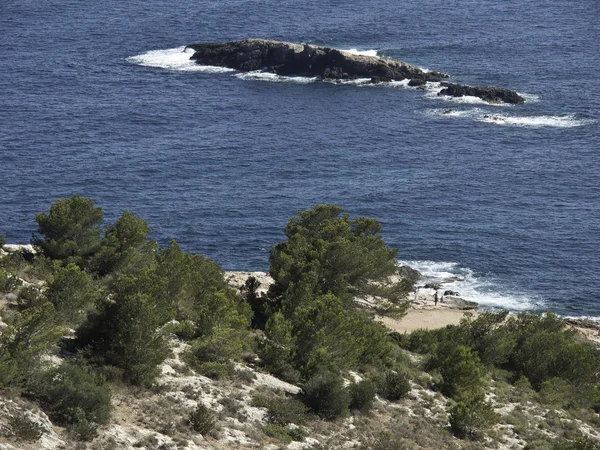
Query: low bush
(326,395)
(281,410)
(215,370)
(394,386)
(184,330)
(8,282)
(72,393)
(284,410)
(202,420)
(471,416)
(29,297)
(283,433)
(362,395)
(25,429)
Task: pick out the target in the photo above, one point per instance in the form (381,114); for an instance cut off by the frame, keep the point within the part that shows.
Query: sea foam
(269,76)
(482,115)
(355,51)
(174,59)
(569,121)
(488,292)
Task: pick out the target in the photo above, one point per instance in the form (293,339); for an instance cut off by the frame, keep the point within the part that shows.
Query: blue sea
(100,99)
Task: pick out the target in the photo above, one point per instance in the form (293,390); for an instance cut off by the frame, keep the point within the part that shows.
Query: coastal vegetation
(102,313)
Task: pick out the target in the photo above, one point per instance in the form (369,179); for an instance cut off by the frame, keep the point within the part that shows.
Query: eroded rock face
(488,93)
(286,58)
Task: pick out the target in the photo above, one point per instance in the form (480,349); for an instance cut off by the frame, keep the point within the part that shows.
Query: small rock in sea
(456,294)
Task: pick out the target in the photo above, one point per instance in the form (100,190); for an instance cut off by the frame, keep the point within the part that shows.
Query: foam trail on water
(174,59)
(481,115)
(487,292)
(355,51)
(569,121)
(269,76)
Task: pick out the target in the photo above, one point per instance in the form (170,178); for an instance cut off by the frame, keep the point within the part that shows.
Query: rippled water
(95,99)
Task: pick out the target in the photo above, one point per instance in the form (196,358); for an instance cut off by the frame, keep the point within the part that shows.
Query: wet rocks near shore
(488,93)
(285,58)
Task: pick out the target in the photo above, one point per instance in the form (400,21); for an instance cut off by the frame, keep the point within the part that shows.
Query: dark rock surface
(285,58)
(488,93)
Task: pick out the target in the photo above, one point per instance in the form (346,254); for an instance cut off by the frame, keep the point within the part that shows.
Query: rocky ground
(160,418)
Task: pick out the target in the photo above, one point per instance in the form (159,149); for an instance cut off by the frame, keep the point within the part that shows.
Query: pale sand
(428,319)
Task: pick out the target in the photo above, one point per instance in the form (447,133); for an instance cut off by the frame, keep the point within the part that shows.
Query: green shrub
(421,341)
(8,282)
(284,410)
(184,330)
(202,420)
(362,395)
(581,443)
(2,240)
(556,392)
(29,297)
(72,393)
(284,433)
(215,370)
(394,386)
(125,334)
(326,395)
(70,231)
(460,368)
(84,430)
(471,416)
(24,428)
(545,355)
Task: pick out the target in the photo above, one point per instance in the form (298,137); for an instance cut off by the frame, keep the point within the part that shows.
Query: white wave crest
(487,292)
(355,51)
(269,76)
(471,113)
(482,115)
(355,82)
(174,59)
(568,121)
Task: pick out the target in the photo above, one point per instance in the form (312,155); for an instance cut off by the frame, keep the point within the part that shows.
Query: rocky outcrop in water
(285,58)
(488,93)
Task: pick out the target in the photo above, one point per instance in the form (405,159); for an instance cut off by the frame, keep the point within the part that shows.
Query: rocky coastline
(286,59)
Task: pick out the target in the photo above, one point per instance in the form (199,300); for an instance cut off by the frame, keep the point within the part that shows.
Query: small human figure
(436,297)
(442,299)
(416,293)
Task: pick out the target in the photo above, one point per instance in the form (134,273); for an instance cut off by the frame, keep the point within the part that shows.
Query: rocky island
(285,58)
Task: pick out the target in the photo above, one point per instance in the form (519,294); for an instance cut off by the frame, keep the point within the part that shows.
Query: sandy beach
(428,319)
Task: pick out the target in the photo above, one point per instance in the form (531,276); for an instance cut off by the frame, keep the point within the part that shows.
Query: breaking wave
(490,293)
(174,59)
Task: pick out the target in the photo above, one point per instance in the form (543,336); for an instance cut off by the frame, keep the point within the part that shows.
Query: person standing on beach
(436,297)
(416,293)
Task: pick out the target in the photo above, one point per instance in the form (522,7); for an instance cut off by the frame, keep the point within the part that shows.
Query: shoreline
(422,313)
